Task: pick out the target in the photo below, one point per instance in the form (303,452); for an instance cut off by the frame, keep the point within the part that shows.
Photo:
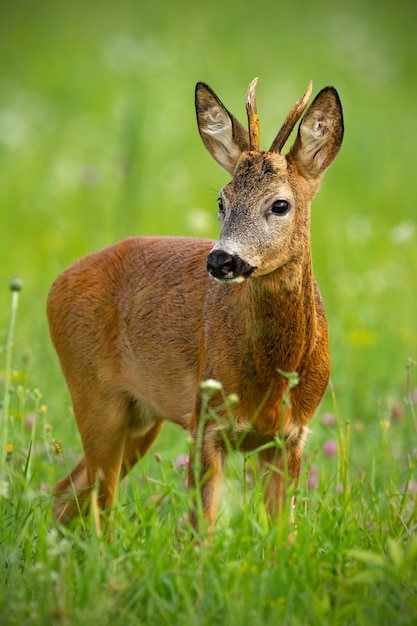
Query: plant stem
(4,421)
(409,366)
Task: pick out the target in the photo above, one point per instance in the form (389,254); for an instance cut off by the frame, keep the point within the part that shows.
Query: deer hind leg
(71,494)
(103,427)
(137,445)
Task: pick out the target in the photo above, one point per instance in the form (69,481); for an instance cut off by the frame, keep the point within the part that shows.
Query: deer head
(264,211)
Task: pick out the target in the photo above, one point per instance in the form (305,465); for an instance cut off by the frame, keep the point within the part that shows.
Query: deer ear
(320,134)
(223,135)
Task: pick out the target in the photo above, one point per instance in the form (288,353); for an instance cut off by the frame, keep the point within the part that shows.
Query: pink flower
(30,420)
(328,419)
(313,478)
(181,462)
(330,447)
(397,412)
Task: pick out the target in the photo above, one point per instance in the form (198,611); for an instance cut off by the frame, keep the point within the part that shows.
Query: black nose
(225,266)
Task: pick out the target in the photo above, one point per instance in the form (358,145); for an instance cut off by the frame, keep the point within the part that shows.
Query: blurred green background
(98,141)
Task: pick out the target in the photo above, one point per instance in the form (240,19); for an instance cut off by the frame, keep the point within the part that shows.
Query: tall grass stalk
(343,447)
(15,286)
(410,363)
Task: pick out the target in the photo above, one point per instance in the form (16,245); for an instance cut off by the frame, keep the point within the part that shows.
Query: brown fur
(139,325)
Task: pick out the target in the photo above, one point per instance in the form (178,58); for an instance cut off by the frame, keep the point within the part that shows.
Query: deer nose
(224,266)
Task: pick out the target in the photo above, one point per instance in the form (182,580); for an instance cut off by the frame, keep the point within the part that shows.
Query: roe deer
(139,325)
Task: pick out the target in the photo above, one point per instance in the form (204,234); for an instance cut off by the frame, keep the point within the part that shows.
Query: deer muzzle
(227,268)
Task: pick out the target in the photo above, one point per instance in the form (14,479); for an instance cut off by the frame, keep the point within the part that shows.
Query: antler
(291,120)
(253,120)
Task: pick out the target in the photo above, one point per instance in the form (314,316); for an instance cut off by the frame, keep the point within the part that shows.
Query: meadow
(98,141)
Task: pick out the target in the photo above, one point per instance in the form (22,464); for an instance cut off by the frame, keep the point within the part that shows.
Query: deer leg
(103,429)
(272,470)
(205,472)
(71,494)
(136,446)
(278,475)
(279,472)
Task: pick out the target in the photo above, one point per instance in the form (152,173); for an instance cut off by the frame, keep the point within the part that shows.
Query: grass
(353,559)
(98,141)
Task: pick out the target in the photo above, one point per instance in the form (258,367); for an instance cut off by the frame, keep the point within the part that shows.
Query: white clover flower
(211,385)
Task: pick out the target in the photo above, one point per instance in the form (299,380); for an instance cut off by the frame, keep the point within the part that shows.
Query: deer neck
(260,319)
(283,297)
(280,312)
(269,323)
(264,315)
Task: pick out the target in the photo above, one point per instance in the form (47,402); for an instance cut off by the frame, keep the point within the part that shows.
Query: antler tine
(253,120)
(291,120)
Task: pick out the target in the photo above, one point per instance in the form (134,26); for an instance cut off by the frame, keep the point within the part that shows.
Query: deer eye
(220,204)
(280,207)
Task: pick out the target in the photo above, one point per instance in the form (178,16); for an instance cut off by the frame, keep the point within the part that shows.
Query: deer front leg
(205,472)
(281,469)
(273,478)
